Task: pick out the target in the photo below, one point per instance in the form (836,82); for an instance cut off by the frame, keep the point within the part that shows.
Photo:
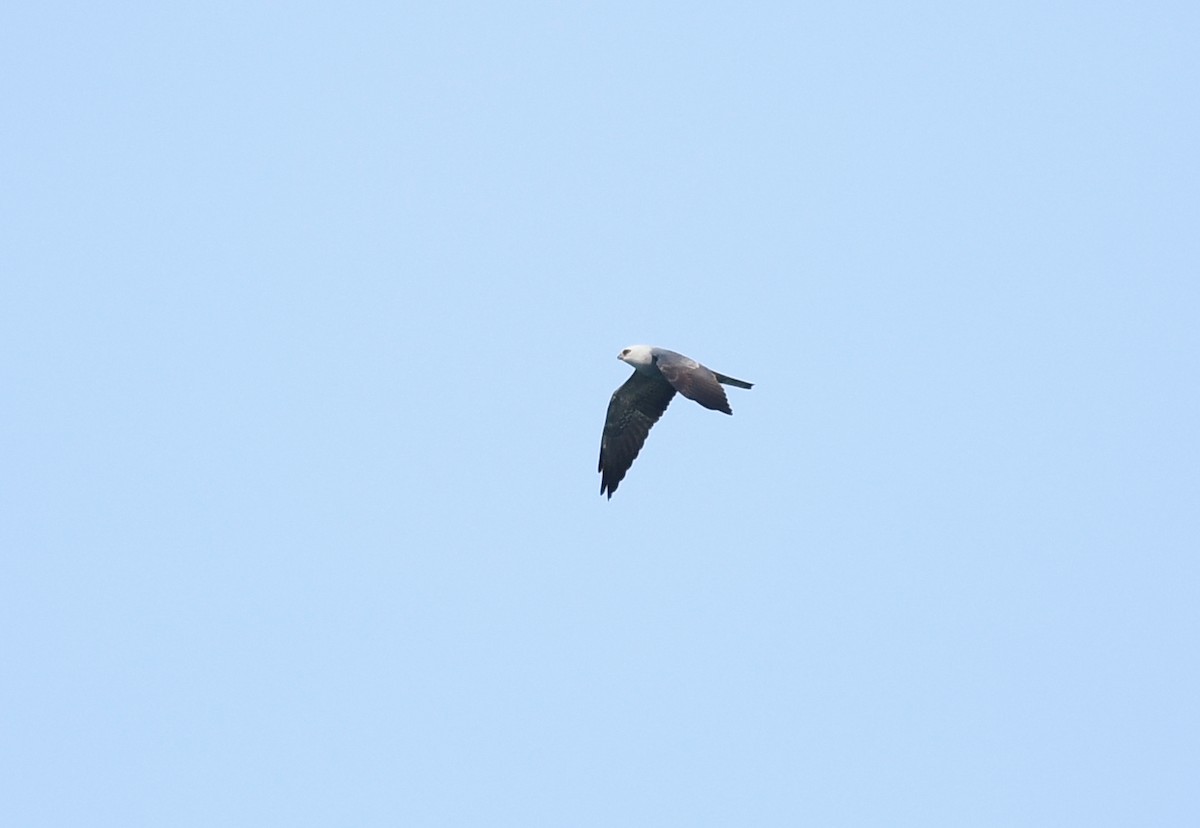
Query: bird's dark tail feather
(724,380)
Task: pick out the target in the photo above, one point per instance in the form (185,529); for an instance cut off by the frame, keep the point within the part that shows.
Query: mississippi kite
(636,406)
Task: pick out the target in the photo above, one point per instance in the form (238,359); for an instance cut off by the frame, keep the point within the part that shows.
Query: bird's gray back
(691,379)
(663,356)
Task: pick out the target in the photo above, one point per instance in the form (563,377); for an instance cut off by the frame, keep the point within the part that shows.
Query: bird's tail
(724,380)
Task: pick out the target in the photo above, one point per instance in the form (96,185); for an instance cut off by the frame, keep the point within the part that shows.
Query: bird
(636,406)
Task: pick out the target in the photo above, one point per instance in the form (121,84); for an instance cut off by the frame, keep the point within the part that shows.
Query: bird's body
(637,405)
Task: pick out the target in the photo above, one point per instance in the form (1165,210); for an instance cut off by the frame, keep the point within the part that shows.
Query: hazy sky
(309,318)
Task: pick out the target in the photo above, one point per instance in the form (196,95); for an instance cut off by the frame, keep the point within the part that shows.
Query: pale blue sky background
(309,321)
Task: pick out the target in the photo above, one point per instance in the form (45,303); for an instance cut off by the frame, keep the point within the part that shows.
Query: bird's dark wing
(633,409)
(693,380)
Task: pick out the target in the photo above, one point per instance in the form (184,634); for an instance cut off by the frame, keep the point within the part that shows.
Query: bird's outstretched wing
(693,380)
(633,409)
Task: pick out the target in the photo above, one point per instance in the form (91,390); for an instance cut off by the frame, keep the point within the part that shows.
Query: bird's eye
(625,352)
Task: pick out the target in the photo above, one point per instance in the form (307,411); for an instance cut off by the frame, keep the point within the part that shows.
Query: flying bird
(636,406)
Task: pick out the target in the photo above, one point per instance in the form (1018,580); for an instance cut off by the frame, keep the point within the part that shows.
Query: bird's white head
(639,356)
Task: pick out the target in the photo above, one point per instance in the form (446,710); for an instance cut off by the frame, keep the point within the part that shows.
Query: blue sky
(310,317)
